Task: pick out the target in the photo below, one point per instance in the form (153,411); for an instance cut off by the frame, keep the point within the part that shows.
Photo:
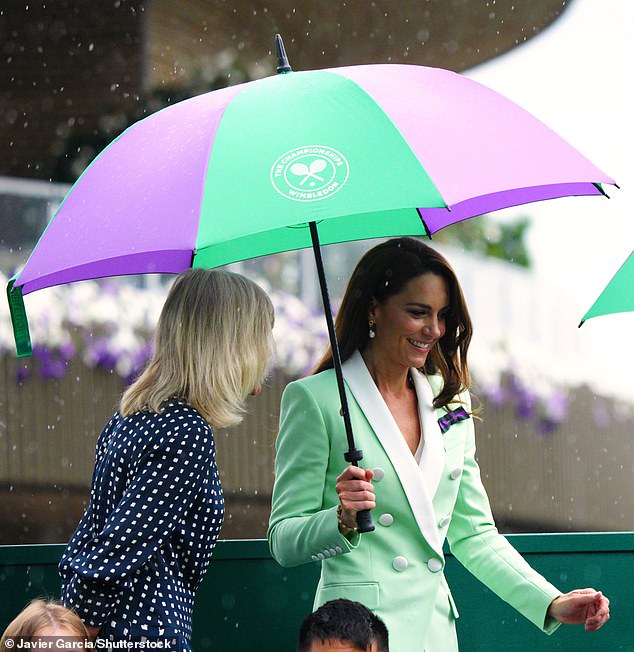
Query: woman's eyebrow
(417,304)
(424,306)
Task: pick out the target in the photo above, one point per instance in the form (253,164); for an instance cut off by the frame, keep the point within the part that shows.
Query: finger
(602,601)
(357,501)
(583,596)
(351,473)
(593,624)
(356,497)
(353,485)
(597,620)
(584,592)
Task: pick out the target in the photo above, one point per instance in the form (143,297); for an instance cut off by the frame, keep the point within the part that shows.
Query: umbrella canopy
(618,295)
(364,151)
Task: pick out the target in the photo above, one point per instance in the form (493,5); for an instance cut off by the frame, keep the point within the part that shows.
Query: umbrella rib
(422,219)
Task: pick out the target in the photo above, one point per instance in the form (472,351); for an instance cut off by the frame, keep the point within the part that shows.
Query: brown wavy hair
(383,272)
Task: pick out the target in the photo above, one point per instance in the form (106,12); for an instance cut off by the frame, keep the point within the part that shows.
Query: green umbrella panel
(618,295)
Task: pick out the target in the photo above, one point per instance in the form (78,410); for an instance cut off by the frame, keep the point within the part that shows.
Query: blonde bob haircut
(39,615)
(211,347)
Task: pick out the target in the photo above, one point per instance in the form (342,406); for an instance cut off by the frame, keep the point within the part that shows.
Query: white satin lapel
(432,460)
(387,431)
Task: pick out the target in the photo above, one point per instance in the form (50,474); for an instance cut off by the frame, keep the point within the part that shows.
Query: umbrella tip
(282,60)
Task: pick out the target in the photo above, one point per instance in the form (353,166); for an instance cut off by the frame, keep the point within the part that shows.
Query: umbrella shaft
(336,357)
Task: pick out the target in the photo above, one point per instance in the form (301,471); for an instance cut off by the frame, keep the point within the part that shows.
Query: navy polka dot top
(141,549)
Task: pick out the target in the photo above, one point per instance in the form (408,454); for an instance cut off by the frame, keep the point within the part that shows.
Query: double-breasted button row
(326,553)
(387,519)
(400,563)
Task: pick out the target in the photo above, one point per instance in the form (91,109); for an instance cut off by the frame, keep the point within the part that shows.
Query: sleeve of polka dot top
(166,484)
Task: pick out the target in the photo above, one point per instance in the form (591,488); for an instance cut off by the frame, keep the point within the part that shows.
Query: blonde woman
(139,554)
(44,618)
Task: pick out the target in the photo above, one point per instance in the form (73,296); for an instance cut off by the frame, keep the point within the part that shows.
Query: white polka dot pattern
(156,507)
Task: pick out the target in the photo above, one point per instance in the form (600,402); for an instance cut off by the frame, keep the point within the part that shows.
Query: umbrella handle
(364,517)
(364,521)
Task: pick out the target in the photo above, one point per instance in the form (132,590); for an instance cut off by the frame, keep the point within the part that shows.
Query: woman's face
(408,324)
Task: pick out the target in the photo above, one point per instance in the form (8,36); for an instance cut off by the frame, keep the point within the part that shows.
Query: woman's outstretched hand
(356,493)
(582,606)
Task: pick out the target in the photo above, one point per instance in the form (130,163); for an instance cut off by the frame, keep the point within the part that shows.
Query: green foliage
(490,237)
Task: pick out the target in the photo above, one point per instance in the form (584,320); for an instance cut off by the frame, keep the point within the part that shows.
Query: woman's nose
(432,327)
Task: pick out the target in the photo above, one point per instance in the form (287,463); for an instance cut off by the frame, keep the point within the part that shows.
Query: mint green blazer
(397,570)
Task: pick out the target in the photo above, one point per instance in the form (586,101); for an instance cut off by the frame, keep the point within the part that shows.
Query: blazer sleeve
(303,526)
(475,541)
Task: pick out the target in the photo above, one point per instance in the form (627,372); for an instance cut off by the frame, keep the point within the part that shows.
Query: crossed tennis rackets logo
(309,173)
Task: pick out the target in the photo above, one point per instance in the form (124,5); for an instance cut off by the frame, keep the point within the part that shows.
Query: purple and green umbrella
(295,160)
(618,295)
(364,152)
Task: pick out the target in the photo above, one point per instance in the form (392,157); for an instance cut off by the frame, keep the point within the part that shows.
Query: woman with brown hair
(404,331)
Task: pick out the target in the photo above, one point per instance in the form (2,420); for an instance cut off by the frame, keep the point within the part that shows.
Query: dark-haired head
(383,272)
(343,621)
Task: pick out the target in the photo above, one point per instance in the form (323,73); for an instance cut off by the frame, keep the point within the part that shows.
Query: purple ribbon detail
(447,420)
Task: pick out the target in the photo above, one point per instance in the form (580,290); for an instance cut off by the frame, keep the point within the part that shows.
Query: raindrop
(228,601)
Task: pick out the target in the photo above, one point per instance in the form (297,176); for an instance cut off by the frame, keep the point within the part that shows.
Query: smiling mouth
(423,346)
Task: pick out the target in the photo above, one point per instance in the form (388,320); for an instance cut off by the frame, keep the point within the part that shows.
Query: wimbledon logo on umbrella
(310,173)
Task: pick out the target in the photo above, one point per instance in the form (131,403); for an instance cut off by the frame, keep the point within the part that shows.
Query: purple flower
(23,372)
(546,426)
(101,355)
(67,351)
(53,368)
(42,353)
(557,407)
(496,395)
(526,402)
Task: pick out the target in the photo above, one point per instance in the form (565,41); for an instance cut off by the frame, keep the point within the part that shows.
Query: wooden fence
(576,478)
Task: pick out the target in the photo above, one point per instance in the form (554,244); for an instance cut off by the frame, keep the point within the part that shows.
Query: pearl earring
(371,332)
